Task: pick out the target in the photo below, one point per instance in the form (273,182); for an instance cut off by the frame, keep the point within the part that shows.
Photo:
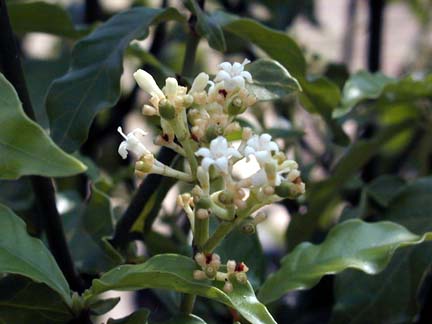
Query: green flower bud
(203,203)
(212,132)
(287,190)
(236,106)
(166,110)
(248,228)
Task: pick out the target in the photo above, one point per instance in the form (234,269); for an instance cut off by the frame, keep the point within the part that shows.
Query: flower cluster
(210,265)
(197,123)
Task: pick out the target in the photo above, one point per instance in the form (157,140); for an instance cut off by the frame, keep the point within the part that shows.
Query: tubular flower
(233,75)
(218,154)
(262,147)
(132,143)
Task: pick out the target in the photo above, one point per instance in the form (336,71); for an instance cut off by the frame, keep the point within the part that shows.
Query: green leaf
(385,188)
(42,17)
(209,28)
(323,195)
(391,296)
(278,45)
(359,87)
(93,81)
(39,74)
(245,248)
(271,80)
(27,256)
(139,317)
(24,147)
(185,319)
(174,272)
(25,301)
(88,242)
(321,96)
(352,244)
(102,306)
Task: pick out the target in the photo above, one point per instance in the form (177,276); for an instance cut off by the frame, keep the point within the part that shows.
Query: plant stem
(145,190)
(187,303)
(43,188)
(223,230)
(201,227)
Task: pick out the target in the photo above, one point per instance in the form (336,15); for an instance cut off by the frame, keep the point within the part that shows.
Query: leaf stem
(43,188)
(187,303)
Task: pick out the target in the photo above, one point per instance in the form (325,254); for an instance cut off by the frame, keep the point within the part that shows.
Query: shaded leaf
(321,96)
(42,17)
(93,82)
(139,317)
(208,27)
(102,306)
(24,147)
(39,74)
(276,44)
(89,246)
(351,244)
(359,87)
(271,80)
(25,301)
(385,188)
(391,296)
(170,271)
(184,319)
(25,255)
(324,194)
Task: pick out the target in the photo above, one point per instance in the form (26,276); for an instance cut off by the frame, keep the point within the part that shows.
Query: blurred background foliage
(364,142)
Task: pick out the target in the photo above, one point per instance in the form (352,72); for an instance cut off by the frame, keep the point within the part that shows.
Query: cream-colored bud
(199,83)
(148,83)
(188,100)
(228,287)
(145,164)
(199,275)
(268,190)
(220,276)
(148,110)
(202,213)
(171,87)
(294,174)
(200,258)
(231,265)
(210,271)
(241,277)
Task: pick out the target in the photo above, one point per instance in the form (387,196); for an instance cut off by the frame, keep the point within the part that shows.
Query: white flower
(288,168)
(218,154)
(132,143)
(233,75)
(261,147)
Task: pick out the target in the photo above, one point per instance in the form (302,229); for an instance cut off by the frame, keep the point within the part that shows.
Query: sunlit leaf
(351,244)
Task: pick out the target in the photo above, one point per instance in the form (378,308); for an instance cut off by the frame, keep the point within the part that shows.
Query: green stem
(187,303)
(223,230)
(201,232)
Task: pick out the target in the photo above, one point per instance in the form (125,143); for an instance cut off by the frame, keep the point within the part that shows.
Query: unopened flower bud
(145,164)
(200,258)
(287,189)
(147,83)
(225,197)
(236,106)
(241,277)
(199,275)
(148,110)
(210,271)
(211,133)
(171,87)
(294,174)
(268,190)
(231,266)
(228,287)
(166,110)
(199,83)
(202,213)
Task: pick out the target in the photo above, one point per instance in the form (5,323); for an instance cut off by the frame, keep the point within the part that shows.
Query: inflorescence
(200,124)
